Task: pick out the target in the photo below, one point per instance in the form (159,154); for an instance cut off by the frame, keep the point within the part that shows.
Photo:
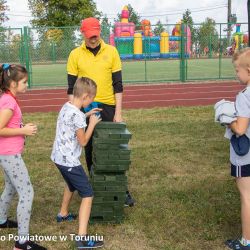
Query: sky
(167,11)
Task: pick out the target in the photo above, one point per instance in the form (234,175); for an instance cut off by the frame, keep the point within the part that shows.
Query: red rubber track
(141,96)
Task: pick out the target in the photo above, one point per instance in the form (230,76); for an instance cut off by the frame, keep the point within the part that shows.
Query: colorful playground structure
(239,39)
(143,44)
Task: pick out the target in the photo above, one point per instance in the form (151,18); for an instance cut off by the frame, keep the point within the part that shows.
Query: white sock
(245,242)
(23,239)
(3,221)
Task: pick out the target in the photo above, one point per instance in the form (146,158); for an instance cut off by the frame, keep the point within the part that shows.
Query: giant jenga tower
(111,160)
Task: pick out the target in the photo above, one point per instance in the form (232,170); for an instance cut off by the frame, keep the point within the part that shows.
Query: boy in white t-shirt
(70,138)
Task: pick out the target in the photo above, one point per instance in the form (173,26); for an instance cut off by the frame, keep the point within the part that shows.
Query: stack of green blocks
(111,160)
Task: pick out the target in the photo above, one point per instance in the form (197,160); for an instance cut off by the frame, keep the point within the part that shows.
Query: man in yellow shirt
(100,62)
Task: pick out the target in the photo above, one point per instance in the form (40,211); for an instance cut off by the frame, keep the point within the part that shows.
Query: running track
(141,96)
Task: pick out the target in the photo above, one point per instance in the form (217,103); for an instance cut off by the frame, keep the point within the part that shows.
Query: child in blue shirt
(240,164)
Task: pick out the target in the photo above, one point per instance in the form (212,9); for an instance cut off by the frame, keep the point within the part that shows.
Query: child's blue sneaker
(69,217)
(87,243)
(236,245)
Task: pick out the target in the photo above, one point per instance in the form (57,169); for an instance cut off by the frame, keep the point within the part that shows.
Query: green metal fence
(190,57)
(11,45)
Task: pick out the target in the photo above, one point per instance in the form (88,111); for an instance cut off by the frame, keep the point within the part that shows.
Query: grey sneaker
(129,201)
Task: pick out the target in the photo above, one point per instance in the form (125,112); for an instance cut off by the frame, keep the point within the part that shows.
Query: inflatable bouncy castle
(143,44)
(124,28)
(146,28)
(176,32)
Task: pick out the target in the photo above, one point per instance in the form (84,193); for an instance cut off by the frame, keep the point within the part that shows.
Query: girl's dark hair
(9,73)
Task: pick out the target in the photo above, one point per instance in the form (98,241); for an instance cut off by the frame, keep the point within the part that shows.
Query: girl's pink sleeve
(7,102)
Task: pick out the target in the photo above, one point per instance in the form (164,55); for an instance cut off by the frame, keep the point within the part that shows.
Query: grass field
(142,71)
(179,177)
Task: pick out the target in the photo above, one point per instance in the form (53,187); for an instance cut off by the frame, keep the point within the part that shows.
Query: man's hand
(117,117)
(118,108)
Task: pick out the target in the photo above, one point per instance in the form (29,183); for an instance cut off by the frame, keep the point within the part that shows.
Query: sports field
(142,71)
(179,177)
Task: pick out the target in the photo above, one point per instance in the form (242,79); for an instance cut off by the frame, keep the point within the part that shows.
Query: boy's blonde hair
(84,85)
(243,57)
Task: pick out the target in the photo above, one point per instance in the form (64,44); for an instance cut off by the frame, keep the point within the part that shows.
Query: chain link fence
(172,53)
(11,45)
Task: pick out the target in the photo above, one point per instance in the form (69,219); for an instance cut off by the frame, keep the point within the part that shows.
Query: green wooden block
(101,161)
(106,220)
(107,211)
(108,203)
(116,208)
(123,153)
(108,183)
(109,188)
(108,168)
(108,133)
(114,195)
(108,177)
(110,141)
(110,196)
(119,149)
(111,125)
(97,146)
(112,133)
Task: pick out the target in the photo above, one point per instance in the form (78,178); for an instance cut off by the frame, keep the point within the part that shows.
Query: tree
(187,19)
(14,45)
(54,13)
(3,9)
(208,35)
(133,17)
(3,31)
(61,13)
(105,27)
(159,28)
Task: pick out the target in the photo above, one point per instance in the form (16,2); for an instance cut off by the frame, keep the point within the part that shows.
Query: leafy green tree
(3,9)
(159,28)
(187,19)
(3,18)
(105,27)
(61,13)
(208,35)
(3,32)
(55,13)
